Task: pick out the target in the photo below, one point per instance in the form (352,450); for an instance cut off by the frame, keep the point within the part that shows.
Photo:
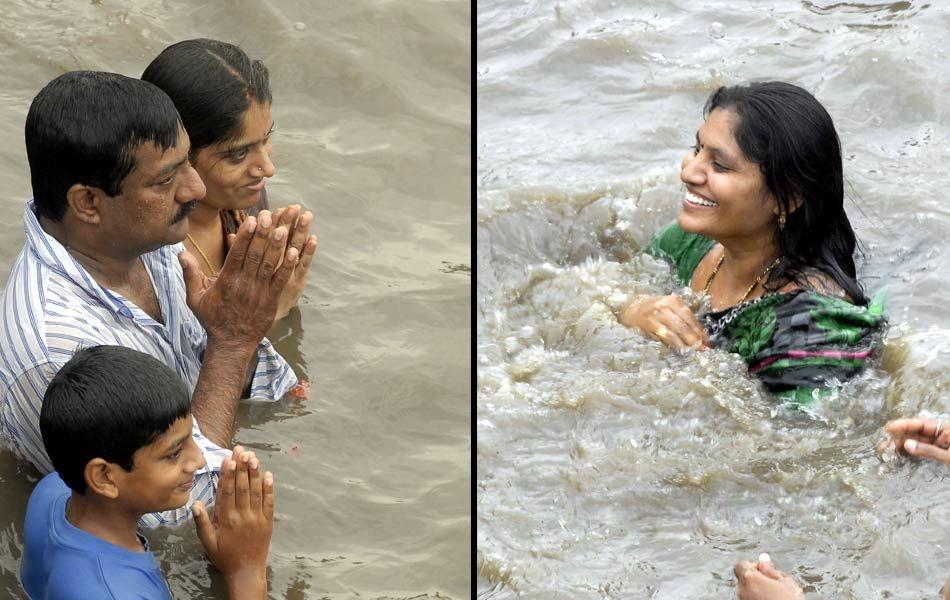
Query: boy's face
(162,472)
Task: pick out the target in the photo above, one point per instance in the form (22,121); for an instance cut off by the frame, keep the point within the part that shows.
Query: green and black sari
(801,344)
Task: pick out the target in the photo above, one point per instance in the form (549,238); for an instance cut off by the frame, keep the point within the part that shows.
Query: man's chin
(177,232)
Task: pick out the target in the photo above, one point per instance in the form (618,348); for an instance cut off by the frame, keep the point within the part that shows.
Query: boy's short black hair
(84,127)
(107,402)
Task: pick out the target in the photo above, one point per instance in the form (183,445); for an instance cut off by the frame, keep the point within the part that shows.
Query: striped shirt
(51,307)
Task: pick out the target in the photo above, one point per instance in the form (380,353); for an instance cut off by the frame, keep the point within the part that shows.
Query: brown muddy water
(372,107)
(609,467)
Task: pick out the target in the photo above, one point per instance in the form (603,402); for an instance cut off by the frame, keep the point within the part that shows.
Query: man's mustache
(184,210)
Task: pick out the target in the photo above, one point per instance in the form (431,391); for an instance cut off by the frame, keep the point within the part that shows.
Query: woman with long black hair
(224,99)
(763,234)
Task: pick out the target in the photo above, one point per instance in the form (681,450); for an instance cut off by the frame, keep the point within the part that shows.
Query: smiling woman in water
(224,100)
(763,234)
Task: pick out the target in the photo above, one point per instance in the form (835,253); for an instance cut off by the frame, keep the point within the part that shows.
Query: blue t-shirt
(63,562)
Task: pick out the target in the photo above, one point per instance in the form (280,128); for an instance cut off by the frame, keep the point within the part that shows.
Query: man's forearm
(247,585)
(220,385)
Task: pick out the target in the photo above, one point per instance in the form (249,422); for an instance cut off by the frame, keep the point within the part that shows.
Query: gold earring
(781,221)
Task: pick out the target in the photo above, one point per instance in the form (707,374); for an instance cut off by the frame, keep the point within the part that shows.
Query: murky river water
(609,467)
(372,106)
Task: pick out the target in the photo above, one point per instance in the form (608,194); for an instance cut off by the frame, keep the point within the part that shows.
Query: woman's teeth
(694,199)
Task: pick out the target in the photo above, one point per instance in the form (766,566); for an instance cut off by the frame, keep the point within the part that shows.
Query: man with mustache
(103,264)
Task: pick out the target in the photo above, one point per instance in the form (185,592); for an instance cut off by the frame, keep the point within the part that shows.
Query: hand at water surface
(667,319)
(763,581)
(921,438)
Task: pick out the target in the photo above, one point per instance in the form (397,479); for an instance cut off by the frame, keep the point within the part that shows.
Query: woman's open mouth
(694,200)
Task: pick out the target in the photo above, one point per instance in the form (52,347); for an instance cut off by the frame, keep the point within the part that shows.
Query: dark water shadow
(17,479)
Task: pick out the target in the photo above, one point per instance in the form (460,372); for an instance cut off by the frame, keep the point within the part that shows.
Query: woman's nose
(691,170)
(265,166)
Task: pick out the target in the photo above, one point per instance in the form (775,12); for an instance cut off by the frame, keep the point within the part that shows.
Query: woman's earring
(781,221)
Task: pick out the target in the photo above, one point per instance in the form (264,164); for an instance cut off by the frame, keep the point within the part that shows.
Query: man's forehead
(151,159)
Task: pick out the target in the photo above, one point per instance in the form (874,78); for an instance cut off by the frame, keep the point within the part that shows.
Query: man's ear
(85,201)
(102,478)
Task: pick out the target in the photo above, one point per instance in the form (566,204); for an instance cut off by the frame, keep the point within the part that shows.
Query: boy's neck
(102,518)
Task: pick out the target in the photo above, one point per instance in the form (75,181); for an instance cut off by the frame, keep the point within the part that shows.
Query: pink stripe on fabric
(810,354)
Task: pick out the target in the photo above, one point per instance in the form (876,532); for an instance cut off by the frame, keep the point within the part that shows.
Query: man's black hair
(212,83)
(107,402)
(84,127)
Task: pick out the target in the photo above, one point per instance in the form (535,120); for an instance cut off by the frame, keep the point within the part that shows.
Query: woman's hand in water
(666,319)
(921,438)
(763,581)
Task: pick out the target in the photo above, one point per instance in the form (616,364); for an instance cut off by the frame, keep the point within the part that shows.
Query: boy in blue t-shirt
(116,424)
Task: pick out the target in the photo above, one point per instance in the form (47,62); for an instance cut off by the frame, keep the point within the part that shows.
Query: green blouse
(801,344)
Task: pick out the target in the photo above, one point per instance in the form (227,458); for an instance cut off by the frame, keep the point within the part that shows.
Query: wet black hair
(792,138)
(212,84)
(107,402)
(85,126)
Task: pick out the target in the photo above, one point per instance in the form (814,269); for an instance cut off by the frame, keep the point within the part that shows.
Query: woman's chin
(691,224)
(244,200)
(252,202)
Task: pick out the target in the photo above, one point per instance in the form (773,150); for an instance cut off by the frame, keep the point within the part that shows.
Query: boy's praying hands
(238,539)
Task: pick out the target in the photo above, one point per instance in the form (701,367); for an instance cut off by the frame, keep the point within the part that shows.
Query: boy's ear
(101,478)
(84,201)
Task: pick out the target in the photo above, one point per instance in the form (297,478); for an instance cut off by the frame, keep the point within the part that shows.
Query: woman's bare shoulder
(816,280)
